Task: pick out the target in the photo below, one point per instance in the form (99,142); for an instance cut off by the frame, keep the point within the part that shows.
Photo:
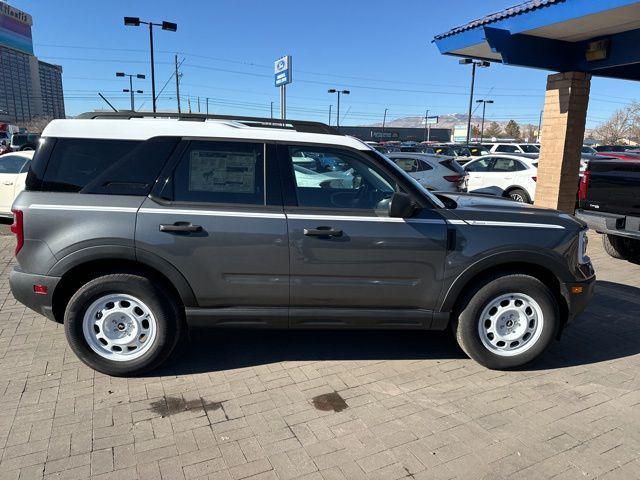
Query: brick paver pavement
(387,404)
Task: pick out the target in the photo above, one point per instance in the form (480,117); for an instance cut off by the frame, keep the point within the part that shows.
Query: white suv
(433,172)
(514,148)
(512,176)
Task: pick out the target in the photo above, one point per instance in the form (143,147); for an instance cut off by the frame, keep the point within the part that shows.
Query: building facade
(401,134)
(29,88)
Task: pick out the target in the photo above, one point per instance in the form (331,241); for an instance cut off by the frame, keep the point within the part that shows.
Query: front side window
(11,163)
(530,149)
(340,179)
(481,165)
(506,165)
(219,172)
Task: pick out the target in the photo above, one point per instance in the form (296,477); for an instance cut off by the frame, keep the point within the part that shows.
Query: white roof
(145,128)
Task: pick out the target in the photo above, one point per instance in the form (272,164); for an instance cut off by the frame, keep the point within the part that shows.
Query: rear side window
(11,163)
(116,167)
(219,172)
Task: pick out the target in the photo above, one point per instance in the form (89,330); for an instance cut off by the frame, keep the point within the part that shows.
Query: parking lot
(328,405)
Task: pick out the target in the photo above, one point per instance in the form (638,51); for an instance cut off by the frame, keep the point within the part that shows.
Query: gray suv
(131,230)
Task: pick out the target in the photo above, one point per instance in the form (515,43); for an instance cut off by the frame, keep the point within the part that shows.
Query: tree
(512,130)
(493,130)
(622,124)
(475,131)
(37,124)
(529,132)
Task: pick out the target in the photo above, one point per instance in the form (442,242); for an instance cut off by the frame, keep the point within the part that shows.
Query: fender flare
(129,253)
(538,260)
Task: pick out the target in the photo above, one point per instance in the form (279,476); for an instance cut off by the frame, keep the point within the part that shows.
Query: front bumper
(578,295)
(22,288)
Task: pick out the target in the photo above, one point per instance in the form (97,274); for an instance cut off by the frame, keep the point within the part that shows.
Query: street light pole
(131,90)
(479,63)
(345,92)
(484,106)
(170,26)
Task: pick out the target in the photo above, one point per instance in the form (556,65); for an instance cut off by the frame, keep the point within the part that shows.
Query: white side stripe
(84,208)
(348,218)
(489,223)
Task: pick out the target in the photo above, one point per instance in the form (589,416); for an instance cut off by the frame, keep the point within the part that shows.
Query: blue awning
(594,36)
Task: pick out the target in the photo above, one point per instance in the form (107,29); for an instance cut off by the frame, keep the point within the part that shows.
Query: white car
(512,176)
(433,172)
(514,148)
(13,173)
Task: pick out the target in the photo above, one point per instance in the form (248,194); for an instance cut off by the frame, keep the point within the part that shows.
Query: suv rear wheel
(519,195)
(621,247)
(508,322)
(122,324)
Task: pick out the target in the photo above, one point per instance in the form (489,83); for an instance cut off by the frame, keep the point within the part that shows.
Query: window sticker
(222,172)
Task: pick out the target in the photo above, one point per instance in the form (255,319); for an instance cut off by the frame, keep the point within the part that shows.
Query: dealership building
(402,134)
(29,88)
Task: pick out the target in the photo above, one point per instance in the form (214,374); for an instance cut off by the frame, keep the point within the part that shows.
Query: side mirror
(401,205)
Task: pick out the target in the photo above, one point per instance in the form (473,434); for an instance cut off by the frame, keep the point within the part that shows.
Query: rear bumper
(624,226)
(578,295)
(21,285)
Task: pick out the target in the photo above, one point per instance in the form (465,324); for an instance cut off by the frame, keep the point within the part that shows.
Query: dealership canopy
(599,37)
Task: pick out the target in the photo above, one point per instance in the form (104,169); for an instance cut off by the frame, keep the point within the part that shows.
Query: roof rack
(303,126)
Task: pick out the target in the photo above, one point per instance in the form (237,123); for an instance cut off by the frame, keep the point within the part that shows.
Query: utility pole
(207,105)
(189,102)
(384,121)
(540,126)
(177,82)
(271,110)
(330,114)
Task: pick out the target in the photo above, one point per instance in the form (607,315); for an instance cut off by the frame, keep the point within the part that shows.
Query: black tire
(168,315)
(466,322)
(519,195)
(621,247)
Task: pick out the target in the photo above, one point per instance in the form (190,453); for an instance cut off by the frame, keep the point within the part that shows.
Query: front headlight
(583,258)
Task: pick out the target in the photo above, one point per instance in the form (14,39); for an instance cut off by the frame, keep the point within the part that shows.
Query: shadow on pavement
(607,330)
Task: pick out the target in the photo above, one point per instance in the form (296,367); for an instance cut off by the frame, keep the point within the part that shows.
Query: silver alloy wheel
(119,327)
(517,197)
(510,324)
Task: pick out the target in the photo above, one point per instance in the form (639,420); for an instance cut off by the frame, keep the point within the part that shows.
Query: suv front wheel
(122,324)
(508,322)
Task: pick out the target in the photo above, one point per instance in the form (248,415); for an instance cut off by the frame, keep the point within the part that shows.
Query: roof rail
(304,126)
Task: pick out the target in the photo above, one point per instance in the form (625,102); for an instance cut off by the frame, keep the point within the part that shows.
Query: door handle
(185,227)
(323,232)
(8,182)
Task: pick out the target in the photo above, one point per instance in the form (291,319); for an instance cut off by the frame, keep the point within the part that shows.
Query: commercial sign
(15,29)
(282,71)
(460,133)
(431,120)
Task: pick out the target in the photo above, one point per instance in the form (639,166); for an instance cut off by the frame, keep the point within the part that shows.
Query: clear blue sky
(380,50)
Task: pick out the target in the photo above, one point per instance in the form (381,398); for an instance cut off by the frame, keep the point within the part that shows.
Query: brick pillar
(565,113)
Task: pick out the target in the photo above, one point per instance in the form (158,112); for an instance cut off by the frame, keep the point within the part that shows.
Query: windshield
(381,158)
(530,149)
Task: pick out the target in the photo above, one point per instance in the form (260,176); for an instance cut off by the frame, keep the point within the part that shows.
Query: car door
(352,264)
(503,172)
(477,174)
(10,166)
(216,215)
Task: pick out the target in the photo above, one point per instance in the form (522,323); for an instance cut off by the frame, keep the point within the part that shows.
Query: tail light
(453,178)
(17,228)
(584,186)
